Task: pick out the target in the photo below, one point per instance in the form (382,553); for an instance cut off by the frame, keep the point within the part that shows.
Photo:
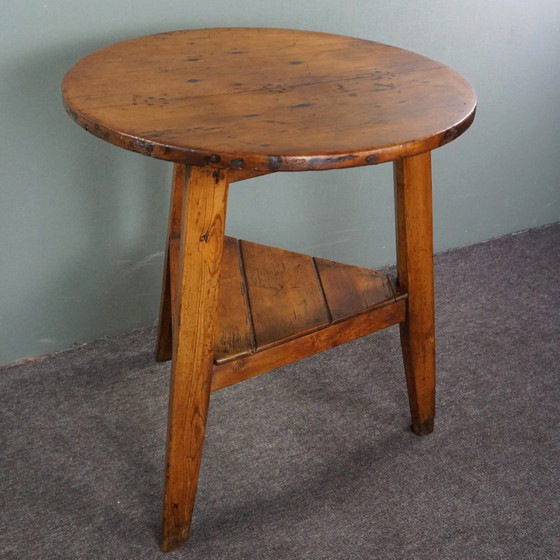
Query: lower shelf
(277,306)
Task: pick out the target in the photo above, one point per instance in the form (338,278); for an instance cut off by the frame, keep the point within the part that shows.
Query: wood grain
(262,100)
(234,331)
(288,304)
(413,196)
(203,219)
(231,372)
(351,289)
(284,294)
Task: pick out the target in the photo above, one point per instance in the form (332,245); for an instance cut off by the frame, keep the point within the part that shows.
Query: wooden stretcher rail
(232,372)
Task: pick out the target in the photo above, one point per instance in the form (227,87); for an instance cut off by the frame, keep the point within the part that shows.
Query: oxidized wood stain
(183,96)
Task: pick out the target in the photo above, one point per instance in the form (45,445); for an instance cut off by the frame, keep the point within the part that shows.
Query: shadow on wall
(82,222)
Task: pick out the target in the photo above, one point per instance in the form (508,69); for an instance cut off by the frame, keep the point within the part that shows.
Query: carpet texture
(314,460)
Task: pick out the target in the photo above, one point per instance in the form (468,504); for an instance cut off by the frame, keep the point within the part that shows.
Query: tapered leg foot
(413,197)
(427,427)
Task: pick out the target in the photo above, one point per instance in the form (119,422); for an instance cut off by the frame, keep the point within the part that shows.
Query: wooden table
(230,104)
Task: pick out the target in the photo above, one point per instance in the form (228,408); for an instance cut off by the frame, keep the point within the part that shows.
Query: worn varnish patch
(267,99)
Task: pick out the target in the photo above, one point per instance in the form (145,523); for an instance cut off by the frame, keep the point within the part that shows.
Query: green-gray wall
(82,223)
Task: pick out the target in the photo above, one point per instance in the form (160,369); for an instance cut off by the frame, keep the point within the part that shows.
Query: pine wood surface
(269,296)
(351,289)
(289,295)
(234,332)
(413,212)
(264,100)
(193,324)
(273,357)
(284,293)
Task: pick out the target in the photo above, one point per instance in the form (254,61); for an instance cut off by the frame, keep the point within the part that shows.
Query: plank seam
(324,294)
(242,267)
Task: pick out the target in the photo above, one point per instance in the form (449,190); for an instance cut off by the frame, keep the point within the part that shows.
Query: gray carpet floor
(314,460)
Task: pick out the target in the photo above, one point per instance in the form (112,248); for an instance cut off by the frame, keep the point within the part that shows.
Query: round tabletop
(267,99)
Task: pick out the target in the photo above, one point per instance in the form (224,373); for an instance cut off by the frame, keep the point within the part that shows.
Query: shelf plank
(351,289)
(270,298)
(234,336)
(284,292)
